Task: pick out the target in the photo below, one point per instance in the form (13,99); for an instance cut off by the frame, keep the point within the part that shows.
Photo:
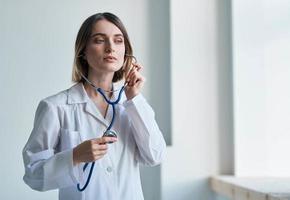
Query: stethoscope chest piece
(110,133)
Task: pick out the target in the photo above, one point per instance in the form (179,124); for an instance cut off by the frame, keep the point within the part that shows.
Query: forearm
(46,171)
(148,137)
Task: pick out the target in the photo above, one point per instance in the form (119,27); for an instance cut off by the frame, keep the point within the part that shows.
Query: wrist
(75,161)
(131,96)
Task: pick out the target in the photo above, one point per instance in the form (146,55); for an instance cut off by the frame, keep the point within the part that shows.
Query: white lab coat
(70,117)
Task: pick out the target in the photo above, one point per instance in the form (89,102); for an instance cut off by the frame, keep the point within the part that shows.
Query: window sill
(251,188)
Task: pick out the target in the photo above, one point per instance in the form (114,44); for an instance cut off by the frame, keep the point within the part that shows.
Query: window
(261,59)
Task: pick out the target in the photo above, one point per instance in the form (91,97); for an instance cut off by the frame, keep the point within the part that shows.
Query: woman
(69,127)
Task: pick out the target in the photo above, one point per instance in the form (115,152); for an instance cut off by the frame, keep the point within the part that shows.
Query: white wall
(201,99)
(37,44)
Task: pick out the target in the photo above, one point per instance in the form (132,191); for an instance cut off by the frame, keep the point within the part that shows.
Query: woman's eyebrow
(104,35)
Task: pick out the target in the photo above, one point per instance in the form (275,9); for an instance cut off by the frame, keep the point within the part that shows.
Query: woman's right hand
(91,150)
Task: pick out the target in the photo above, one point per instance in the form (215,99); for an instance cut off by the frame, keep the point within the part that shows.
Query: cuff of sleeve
(66,174)
(74,170)
(136,100)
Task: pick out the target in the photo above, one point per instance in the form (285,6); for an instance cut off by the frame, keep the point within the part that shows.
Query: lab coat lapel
(77,94)
(92,109)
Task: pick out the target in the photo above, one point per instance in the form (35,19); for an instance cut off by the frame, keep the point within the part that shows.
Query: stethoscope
(108,132)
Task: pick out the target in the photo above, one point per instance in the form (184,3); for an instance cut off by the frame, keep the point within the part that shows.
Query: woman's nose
(109,47)
(109,50)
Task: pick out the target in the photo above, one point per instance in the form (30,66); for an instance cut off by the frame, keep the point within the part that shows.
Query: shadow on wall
(160,94)
(196,189)
(225,87)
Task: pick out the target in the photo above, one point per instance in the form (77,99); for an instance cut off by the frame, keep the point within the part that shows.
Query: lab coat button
(109,169)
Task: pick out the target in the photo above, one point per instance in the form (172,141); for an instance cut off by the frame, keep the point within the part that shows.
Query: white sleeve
(149,139)
(45,169)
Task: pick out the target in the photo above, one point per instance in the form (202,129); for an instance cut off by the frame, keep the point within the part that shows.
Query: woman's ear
(84,56)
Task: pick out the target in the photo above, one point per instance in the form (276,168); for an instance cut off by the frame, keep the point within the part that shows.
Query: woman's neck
(103,81)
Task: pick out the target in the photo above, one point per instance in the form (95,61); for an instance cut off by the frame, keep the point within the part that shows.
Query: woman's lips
(110,59)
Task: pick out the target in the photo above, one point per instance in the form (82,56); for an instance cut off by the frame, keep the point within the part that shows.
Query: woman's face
(105,49)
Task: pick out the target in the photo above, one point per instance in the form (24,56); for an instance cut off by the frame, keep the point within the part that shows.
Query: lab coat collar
(77,94)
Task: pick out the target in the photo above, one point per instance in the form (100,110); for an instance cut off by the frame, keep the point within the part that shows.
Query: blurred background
(218,76)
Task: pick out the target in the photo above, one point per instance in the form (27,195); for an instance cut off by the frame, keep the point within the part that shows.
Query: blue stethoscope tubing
(112,103)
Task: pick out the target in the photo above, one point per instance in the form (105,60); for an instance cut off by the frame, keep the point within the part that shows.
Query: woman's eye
(99,41)
(119,41)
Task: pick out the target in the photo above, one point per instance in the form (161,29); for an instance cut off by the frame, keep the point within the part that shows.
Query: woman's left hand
(135,81)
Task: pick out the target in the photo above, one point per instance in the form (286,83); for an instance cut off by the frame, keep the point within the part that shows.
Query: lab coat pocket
(69,139)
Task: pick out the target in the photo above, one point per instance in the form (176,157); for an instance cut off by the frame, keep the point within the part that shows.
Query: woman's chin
(107,67)
(113,67)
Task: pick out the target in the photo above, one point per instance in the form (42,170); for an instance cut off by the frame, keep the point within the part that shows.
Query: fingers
(137,66)
(134,75)
(134,68)
(105,140)
(100,147)
(99,153)
(92,150)
(100,144)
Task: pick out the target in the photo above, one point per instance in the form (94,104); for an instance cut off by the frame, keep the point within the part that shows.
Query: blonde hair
(80,65)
